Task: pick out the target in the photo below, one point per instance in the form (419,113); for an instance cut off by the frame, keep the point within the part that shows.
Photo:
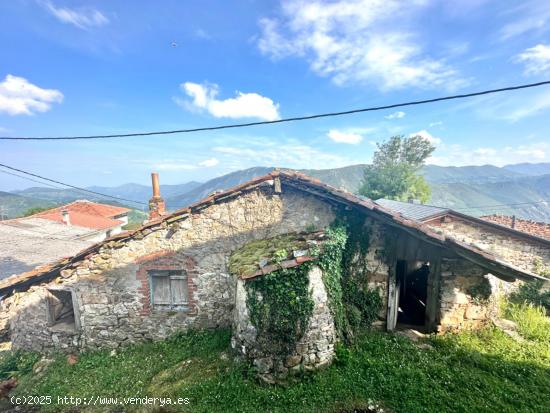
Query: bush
(531,321)
(16,363)
(530,293)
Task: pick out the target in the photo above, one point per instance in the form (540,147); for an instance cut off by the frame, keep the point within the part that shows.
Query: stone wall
(111,288)
(314,350)
(371,268)
(461,304)
(517,251)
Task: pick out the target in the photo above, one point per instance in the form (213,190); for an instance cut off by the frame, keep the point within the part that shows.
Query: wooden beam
(433,298)
(393,298)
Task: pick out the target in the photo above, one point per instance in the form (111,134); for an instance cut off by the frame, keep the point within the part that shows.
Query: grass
(531,321)
(483,371)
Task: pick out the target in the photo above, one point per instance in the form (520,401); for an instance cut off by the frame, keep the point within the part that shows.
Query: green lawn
(485,371)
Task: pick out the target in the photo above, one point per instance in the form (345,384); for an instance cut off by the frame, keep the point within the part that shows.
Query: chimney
(513,222)
(156,203)
(65,217)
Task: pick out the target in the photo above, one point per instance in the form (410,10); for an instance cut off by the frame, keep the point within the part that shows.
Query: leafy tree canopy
(35,210)
(394,173)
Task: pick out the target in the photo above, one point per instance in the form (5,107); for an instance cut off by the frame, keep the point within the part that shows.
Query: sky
(105,67)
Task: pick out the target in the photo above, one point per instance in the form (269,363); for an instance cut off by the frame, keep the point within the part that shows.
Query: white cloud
(432,124)
(344,137)
(202,34)
(244,105)
(427,136)
(209,162)
(526,108)
(457,155)
(508,107)
(536,59)
(295,155)
(396,115)
(356,41)
(83,18)
(527,16)
(20,97)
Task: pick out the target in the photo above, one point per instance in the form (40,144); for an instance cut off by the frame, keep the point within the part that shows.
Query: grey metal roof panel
(418,212)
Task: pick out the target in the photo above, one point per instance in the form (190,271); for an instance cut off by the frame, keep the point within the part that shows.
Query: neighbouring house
(522,246)
(60,232)
(30,242)
(106,220)
(231,259)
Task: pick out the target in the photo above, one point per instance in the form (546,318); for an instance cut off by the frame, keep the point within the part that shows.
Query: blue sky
(102,67)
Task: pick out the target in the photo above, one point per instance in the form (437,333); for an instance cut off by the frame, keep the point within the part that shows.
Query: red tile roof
(83,220)
(86,214)
(538,229)
(91,208)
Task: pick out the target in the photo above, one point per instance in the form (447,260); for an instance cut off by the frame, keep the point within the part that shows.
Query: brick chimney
(65,217)
(157,207)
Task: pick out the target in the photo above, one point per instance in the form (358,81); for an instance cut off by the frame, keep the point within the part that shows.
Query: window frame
(171,274)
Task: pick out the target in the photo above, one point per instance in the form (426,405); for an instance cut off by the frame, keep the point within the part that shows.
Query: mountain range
(524,189)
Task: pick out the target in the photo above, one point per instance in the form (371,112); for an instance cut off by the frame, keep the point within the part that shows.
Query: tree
(35,210)
(394,173)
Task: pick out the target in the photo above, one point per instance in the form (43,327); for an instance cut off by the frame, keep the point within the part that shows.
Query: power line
(71,186)
(293,119)
(30,179)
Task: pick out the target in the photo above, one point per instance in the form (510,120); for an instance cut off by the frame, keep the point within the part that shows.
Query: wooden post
(393,298)
(433,299)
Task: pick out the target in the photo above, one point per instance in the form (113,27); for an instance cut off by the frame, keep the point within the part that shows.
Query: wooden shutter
(160,288)
(178,287)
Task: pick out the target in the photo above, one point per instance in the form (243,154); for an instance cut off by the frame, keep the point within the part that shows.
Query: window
(61,310)
(169,290)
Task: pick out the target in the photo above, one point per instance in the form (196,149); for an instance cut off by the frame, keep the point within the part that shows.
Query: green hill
(13,205)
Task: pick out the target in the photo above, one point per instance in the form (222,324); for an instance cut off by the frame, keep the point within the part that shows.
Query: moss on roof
(246,260)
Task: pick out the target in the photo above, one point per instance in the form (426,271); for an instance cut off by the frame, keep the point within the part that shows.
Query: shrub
(531,321)
(530,293)
(16,363)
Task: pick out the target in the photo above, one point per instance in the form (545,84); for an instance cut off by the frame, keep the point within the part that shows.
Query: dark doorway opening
(412,282)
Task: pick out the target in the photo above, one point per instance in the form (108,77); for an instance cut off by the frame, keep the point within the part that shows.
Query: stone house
(55,233)
(173,273)
(519,242)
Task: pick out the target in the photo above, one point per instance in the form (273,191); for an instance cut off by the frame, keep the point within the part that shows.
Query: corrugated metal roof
(408,210)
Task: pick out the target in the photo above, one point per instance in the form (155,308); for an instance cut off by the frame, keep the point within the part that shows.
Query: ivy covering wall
(280,307)
(280,303)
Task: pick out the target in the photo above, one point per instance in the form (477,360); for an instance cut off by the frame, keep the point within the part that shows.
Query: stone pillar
(315,349)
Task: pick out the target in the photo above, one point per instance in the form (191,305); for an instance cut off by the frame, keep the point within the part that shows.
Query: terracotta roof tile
(538,229)
(86,214)
(90,208)
(83,220)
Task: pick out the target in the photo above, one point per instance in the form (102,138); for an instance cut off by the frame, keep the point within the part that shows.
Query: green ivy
(280,306)
(280,303)
(361,304)
(481,292)
(330,262)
